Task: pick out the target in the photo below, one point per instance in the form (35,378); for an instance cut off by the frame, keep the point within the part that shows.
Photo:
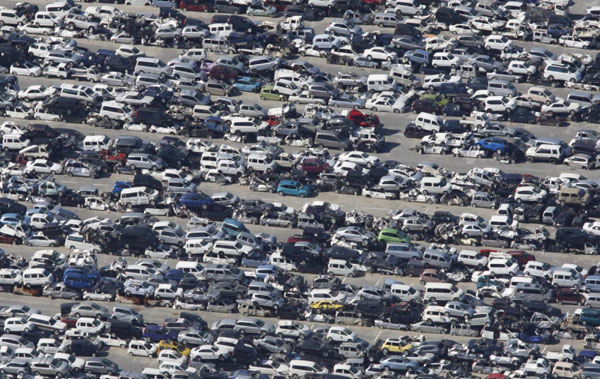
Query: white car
(486,24)
(31,28)
(44,166)
(128,51)
(498,42)
(359,157)
(380,53)
(39,49)
(172,356)
(561,107)
(35,92)
(165,129)
(20,111)
(432,82)
(498,104)
(439,43)
(592,228)
(529,194)
(90,325)
(445,59)
(210,353)
(573,41)
(382,104)
(25,69)
(521,68)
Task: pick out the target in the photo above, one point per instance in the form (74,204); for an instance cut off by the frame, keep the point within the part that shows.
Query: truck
(566,354)
(36,151)
(88,74)
(475,121)
(292,24)
(60,71)
(538,367)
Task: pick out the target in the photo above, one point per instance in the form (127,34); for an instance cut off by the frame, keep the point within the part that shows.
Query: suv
(552,153)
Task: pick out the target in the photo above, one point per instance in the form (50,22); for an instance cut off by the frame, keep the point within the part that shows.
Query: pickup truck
(537,367)
(89,74)
(567,354)
(36,151)
(475,121)
(60,71)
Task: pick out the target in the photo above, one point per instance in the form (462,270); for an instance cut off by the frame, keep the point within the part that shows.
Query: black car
(119,63)
(143,180)
(125,330)
(411,131)
(340,252)
(522,115)
(84,348)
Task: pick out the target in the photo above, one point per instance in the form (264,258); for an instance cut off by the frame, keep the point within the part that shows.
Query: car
(25,68)
(247,84)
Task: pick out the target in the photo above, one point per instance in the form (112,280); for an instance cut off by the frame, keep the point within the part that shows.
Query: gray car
(463,330)
(407,42)
(17,367)
(484,200)
(323,91)
(272,345)
(49,366)
(417,224)
(61,291)
(127,314)
(90,310)
(253,326)
(143,160)
(101,366)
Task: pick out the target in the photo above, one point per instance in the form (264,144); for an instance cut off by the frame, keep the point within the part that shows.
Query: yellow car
(172,345)
(395,346)
(325,305)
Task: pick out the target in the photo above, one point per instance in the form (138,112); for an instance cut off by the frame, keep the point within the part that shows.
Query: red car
(112,156)
(486,252)
(314,166)
(223,73)
(569,295)
(522,257)
(10,240)
(272,120)
(278,5)
(69,320)
(364,120)
(197,6)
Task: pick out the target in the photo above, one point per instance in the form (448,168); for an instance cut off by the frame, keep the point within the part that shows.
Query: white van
(116,111)
(404,77)
(428,121)
(276,259)
(141,348)
(14,142)
(565,278)
(341,267)
(77,241)
(222,30)
(380,83)
(138,196)
(34,277)
(301,367)
(443,292)
(193,268)
(148,65)
(261,162)
(197,247)
(404,292)
(96,143)
(436,314)
(435,185)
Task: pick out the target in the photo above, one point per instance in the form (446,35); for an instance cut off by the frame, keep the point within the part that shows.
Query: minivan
(138,196)
(262,163)
(15,142)
(501,88)
(442,292)
(428,121)
(592,283)
(331,139)
(216,44)
(380,83)
(144,161)
(96,142)
(151,66)
(341,267)
(384,19)
(116,111)
(435,185)
(36,277)
(437,258)
(301,368)
(579,97)
(403,251)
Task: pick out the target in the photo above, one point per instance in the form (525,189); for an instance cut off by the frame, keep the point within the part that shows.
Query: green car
(393,235)
(266,93)
(439,99)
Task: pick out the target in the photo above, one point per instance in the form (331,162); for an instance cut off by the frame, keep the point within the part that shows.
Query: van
(138,272)
(501,88)
(59,8)
(261,163)
(222,273)
(341,267)
(76,241)
(435,185)
(443,292)
(402,251)
(591,370)
(222,30)
(573,196)
(566,370)
(565,278)
(592,284)
(78,92)
(332,140)
(217,44)
(404,292)
(516,280)
(15,142)
(116,111)
(37,277)
(138,196)
(195,248)
(96,143)
(148,65)
(437,258)
(404,77)
(202,112)
(383,19)
(218,88)
(233,227)
(284,263)
(531,292)
(380,83)
(138,161)
(428,121)
(583,98)
(128,144)
(592,300)
(46,19)
(142,348)
(301,368)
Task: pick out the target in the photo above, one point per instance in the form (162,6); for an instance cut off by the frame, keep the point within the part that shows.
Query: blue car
(293,188)
(157,333)
(398,363)
(494,144)
(247,84)
(86,271)
(77,280)
(175,275)
(120,186)
(558,30)
(215,124)
(11,219)
(195,200)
